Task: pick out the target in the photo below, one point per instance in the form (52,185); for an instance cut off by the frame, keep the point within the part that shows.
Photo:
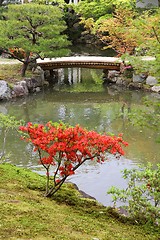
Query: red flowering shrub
(67,148)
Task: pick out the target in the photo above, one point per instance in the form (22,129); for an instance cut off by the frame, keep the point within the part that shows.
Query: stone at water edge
(138,78)
(5,91)
(151,81)
(156,89)
(20,89)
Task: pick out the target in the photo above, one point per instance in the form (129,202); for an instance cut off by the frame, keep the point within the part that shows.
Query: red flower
(68,147)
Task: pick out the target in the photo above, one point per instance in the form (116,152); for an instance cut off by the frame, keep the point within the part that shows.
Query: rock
(113,73)
(20,89)
(138,78)
(83,194)
(122,211)
(46,74)
(5,91)
(119,81)
(35,82)
(38,74)
(156,89)
(135,86)
(113,76)
(37,89)
(151,81)
(24,85)
(38,71)
(144,75)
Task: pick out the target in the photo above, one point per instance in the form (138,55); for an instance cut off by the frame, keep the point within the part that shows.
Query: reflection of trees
(84,115)
(26,113)
(125,109)
(23,109)
(2,142)
(97,111)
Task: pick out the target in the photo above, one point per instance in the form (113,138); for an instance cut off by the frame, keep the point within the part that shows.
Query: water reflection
(105,112)
(99,178)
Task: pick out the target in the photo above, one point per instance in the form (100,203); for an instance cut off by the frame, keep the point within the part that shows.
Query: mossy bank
(27,214)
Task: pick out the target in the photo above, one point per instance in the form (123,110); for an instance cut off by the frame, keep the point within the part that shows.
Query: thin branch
(47,170)
(54,189)
(156,35)
(12,55)
(78,165)
(33,59)
(55,174)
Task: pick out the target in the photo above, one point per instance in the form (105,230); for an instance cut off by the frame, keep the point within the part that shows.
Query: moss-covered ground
(26,214)
(10,70)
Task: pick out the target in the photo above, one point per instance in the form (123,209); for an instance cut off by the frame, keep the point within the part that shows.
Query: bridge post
(105,75)
(51,72)
(105,71)
(53,76)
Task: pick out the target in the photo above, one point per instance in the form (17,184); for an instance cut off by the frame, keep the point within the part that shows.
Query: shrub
(142,194)
(67,148)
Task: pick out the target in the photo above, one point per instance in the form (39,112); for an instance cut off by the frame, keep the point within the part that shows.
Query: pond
(101,108)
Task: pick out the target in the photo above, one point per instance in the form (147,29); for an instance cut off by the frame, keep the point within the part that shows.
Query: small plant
(142,196)
(67,148)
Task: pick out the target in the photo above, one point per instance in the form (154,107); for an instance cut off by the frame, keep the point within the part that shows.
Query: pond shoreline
(33,216)
(35,83)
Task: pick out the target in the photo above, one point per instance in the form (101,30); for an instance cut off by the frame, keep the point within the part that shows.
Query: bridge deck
(111,63)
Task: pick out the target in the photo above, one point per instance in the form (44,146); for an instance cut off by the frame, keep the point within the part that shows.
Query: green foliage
(99,8)
(74,25)
(98,80)
(7,123)
(117,32)
(142,194)
(60,3)
(2,9)
(37,29)
(147,32)
(94,9)
(148,116)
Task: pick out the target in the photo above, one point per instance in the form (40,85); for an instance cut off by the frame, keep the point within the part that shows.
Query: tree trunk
(24,67)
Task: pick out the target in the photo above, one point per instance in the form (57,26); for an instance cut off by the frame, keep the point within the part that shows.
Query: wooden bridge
(108,63)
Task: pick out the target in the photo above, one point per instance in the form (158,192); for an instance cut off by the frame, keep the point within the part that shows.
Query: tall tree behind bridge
(34,31)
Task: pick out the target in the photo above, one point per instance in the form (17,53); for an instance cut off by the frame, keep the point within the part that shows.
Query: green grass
(26,214)
(11,72)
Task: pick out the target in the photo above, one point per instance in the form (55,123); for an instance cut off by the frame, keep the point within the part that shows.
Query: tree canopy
(147,32)
(37,29)
(118,32)
(129,32)
(98,8)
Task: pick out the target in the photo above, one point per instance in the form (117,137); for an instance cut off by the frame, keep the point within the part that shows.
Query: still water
(100,108)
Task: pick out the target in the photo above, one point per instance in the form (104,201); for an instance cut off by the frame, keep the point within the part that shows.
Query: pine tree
(33,31)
